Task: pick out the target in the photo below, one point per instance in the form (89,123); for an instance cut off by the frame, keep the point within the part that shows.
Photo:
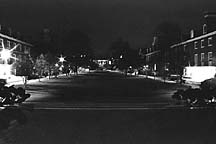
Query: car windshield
(107,71)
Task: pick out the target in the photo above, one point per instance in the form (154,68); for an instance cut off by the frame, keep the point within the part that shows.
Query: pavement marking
(125,108)
(98,108)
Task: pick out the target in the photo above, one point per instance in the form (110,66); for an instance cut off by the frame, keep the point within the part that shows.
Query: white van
(198,73)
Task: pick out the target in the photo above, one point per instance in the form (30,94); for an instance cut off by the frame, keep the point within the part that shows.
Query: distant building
(101,62)
(153,57)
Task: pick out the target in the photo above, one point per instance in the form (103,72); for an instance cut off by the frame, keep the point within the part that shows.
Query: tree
(76,43)
(24,68)
(167,33)
(50,63)
(40,65)
(119,48)
(126,56)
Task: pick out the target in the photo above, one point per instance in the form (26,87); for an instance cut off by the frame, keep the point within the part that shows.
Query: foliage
(126,56)
(75,43)
(24,68)
(41,65)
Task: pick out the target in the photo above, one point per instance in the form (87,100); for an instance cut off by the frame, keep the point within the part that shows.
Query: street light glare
(5,54)
(61,59)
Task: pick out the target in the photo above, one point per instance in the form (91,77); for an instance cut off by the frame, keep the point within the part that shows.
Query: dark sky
(103,20)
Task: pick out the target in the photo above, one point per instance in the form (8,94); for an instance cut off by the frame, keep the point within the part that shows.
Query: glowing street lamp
(56,65)
(7,54)
(61,59)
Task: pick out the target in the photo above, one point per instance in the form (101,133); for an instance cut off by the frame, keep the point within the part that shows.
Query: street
(107,107)
(101,87)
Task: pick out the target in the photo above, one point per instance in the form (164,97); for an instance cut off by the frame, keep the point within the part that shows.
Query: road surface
(104,108)
(101,88)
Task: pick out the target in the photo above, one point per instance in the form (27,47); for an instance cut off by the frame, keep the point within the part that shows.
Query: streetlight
(5,54)
(56,65)
(61,60)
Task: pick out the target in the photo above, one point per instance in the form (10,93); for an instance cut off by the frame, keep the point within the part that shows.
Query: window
(15,57)
(1,43)
(210,58)
(195,45)
(204,29)
(8,44)
(147,58)
(26,51)
(195,59)
(14,44)
(202,59)
(202,43)
(20,47)
(20,58)
(210,41)
(185,47)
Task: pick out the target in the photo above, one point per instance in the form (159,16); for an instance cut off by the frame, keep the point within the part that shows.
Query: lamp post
(61,60)
(6,54)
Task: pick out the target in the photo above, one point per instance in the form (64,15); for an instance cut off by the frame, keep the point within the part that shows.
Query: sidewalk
(192,84)
(20,82)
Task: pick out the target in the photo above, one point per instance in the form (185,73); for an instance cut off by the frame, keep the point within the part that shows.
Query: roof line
(13,39)
(194,39)
(152,52)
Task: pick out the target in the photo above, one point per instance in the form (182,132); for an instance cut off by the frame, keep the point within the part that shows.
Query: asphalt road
(101,88)
(105,108)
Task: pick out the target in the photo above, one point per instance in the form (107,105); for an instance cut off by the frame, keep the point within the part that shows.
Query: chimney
(192,33)
(210,21)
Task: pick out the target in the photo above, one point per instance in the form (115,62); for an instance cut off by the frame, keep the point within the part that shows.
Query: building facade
(20,53)
(198,50)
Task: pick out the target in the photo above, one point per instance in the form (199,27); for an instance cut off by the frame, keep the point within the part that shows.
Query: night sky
(103,20)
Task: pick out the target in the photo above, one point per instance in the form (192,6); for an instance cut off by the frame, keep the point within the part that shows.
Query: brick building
(199,49)
(20,54)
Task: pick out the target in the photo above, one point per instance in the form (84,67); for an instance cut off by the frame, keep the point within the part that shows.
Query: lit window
(204,29)
(195,59)
(210,58)
(195,45)
(202,43)
(210,41)
(202,59)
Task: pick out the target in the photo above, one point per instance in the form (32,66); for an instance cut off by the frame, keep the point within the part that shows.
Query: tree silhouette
(76,43)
